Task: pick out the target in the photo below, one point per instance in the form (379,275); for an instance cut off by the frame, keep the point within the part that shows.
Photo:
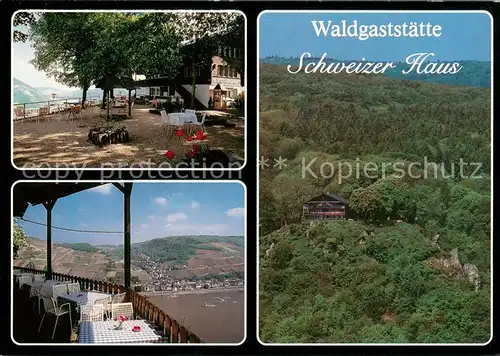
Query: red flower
(179,133)
(196,148)
(189,138)
(122,318)
(200,136)
(191,153)
(115,318)
(170,154)
(199,132)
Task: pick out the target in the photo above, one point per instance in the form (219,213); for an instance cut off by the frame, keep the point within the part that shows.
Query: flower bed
(107,133)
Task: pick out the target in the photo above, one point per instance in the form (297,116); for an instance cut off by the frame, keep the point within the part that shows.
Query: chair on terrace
(51,306)
(91,312)
(59,290)
(122,309)
(115,299)
(73,288)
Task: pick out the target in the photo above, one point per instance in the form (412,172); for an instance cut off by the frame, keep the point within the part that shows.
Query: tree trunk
(130,103)
(107,104)
(104,98)
(193,76)
(84,94)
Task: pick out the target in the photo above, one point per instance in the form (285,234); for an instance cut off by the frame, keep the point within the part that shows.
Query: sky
(463,36)
(22,54)
(157,210)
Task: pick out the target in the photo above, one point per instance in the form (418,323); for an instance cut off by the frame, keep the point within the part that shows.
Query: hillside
(342,282)
(394,149)
(209,254)
(23,93)
(179,249)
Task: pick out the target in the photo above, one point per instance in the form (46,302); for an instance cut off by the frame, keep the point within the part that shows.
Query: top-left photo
(135,90)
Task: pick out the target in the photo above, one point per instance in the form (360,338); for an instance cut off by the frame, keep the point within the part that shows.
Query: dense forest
(412,262)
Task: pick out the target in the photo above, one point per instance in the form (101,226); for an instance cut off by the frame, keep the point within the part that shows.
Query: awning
(26,194)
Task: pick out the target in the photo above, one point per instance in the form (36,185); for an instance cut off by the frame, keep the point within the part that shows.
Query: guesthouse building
(325,206)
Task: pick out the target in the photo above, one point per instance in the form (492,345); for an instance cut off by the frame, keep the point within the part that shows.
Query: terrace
(27,312)
(50,139)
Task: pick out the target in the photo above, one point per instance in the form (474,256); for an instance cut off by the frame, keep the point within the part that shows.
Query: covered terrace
(26,314)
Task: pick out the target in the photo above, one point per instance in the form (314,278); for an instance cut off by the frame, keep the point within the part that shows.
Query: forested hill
(424,279)
(180,248)
(473,73)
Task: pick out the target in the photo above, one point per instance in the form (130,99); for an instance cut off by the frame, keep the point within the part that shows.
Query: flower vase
(119,326)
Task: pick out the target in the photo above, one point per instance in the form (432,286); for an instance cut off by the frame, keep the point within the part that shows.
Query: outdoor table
(16,276)
(83,298)
(103,332)
(181,118)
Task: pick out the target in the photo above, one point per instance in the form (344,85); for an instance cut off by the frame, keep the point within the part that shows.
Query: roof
(118,82)
(328,196)
(26,194)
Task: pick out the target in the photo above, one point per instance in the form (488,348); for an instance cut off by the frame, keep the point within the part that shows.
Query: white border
(132,168)
(491,159)
(175,181)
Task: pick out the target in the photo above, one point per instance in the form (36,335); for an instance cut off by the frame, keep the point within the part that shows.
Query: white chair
(201,123)
(59,290)
(115,299)
(73,288)
(40,300)
(91,313)
(122,309)
(50,306)
(173,119)
(25,279)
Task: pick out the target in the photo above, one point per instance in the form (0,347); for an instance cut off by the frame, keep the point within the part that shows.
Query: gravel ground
(56,142)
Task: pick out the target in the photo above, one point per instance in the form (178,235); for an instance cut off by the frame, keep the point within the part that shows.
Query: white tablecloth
(83,298)
(102,332)
(181,118)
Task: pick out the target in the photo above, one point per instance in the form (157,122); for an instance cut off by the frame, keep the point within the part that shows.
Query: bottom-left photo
(147,262)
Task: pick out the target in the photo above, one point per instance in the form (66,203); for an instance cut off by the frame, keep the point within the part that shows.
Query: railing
(34,109)
(173,331)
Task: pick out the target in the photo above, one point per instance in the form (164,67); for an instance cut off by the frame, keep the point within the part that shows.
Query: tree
(22,19)
(19,238)
(80,49)
(64,44)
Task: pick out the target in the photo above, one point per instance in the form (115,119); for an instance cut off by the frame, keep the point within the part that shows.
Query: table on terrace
(103,332)
(83,298)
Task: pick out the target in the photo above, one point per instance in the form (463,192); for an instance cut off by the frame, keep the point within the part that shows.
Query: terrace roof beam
(49,205)
(126,189)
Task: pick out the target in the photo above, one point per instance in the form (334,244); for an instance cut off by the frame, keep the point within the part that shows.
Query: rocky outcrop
(452,267)
(268,251)
(472,274)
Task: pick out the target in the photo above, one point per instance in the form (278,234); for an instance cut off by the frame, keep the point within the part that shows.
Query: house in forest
(217,82)
(325,206)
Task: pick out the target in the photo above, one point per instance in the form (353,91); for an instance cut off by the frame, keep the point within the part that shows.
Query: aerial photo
(375,186)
